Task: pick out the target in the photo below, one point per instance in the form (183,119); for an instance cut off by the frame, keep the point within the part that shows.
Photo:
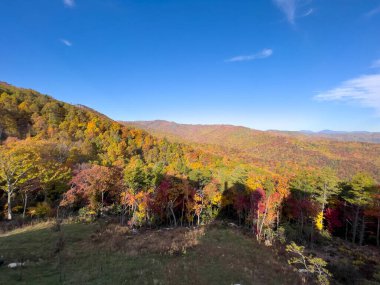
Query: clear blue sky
(265,64)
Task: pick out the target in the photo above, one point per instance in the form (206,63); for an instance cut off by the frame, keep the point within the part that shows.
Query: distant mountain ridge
(354,136)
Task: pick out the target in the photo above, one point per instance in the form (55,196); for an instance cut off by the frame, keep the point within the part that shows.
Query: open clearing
(109,254)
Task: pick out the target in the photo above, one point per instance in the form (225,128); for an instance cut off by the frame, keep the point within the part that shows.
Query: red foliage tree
(90,185)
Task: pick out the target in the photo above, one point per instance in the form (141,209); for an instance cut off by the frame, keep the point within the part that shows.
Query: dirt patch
(135,242)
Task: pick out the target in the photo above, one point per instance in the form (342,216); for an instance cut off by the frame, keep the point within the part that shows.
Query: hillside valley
(275,150)
(165,203)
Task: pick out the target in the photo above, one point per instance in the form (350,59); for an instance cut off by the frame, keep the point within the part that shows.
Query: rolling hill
(369,137)
(84,134)
(274,150)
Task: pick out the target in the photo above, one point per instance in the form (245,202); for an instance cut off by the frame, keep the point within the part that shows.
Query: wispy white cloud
(288,7)
(308,12)
(363,90)
(66,42)
(376,64)
(262,54)
(373,12)
(69,3)
(294,9)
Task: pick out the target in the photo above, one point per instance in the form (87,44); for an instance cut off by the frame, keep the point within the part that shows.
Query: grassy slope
(220,255)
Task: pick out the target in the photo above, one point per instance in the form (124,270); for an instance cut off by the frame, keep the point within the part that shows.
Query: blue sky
(265,64)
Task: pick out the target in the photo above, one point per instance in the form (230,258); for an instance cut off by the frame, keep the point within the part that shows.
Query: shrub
(86,214)
(41,210)
(281,235)
(323,237)
(344,271)
(17,209)
(376,275)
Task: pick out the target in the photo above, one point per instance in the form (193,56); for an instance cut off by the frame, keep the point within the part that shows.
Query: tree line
(60,158)
(309,205)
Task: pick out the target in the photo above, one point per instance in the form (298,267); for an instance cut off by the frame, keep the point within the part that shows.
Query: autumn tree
(303,202)
(90,184)
(212,198)
(17,166)
(53,172)
(27,189)
(137,181)
(326,186)
(358,194)
(373,210)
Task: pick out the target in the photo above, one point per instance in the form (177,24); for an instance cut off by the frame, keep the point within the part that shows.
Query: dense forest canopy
(274,150)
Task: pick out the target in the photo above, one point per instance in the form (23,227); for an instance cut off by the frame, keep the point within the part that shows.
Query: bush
(41,210)
(86,214)
(281,235)
(376,275)
(113,210)
(16,209)
(345,272)
(323,237)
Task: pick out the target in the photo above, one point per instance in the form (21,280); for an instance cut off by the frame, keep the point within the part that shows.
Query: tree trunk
(362,232)
(346,220)
(324,198)
(257,224)
(172,212)
(324,203)
(124,209)
(355,225)
(25,204)
(378,232)
(183,210)
(264,217)
(122,218)
(9,202)
(175,220)
(200,212)
(102,206)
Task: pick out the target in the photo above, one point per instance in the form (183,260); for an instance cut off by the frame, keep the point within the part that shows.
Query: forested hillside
(82,133)
(72,163)
(38,128)
(273,150)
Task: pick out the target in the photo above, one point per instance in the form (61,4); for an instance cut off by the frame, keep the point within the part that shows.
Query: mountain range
(27,113)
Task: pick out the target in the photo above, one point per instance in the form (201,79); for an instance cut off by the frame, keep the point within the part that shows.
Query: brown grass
(133,242)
